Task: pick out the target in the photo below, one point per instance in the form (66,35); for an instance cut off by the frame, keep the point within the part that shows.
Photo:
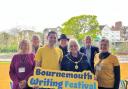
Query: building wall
(111,35)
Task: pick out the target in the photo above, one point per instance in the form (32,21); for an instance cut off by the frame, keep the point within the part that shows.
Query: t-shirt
(105,70)
(50,57)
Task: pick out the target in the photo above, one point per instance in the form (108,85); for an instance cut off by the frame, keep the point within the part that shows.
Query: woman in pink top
(22,66)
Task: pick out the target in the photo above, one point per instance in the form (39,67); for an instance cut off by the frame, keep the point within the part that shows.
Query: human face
(63,42)
(73,48)
(35,42)
(104,46)
(88,41)
(52,38)
(24,46)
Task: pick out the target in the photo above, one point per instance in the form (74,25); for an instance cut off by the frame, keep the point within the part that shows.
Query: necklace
(76,63)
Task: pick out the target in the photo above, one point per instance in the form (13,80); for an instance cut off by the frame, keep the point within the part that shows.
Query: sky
(41,14)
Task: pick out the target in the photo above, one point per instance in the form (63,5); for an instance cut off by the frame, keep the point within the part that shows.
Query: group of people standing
(68,56)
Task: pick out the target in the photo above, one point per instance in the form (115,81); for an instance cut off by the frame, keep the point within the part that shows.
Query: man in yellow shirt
(49,56)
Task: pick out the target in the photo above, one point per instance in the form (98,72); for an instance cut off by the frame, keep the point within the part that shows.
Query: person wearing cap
(63,42)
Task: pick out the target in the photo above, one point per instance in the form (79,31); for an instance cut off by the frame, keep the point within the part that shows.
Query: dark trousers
(28,88)
(46,88)
(104,88)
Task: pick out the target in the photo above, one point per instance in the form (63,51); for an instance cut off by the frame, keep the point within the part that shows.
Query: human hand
(22,84)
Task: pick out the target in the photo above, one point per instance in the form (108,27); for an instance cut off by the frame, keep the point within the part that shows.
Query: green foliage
(8,49)
(80,26)
(9,40)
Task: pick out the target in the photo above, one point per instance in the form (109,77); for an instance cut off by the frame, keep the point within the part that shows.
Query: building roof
(101,26)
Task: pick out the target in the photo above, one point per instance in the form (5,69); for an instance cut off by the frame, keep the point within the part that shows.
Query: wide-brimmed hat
(63,36)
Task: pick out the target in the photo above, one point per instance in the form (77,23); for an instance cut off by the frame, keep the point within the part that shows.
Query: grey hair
(36,36)
(75,41)
(104,40)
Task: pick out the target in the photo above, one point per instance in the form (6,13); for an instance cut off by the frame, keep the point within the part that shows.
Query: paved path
(122,58)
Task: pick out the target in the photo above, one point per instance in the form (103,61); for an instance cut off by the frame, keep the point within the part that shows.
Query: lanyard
(23,60)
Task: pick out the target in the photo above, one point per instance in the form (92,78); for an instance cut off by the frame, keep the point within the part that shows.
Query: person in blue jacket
(89,51)
(74,61)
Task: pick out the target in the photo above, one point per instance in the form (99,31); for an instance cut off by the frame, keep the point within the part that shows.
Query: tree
(5,38)
(14,32)
(80,26)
